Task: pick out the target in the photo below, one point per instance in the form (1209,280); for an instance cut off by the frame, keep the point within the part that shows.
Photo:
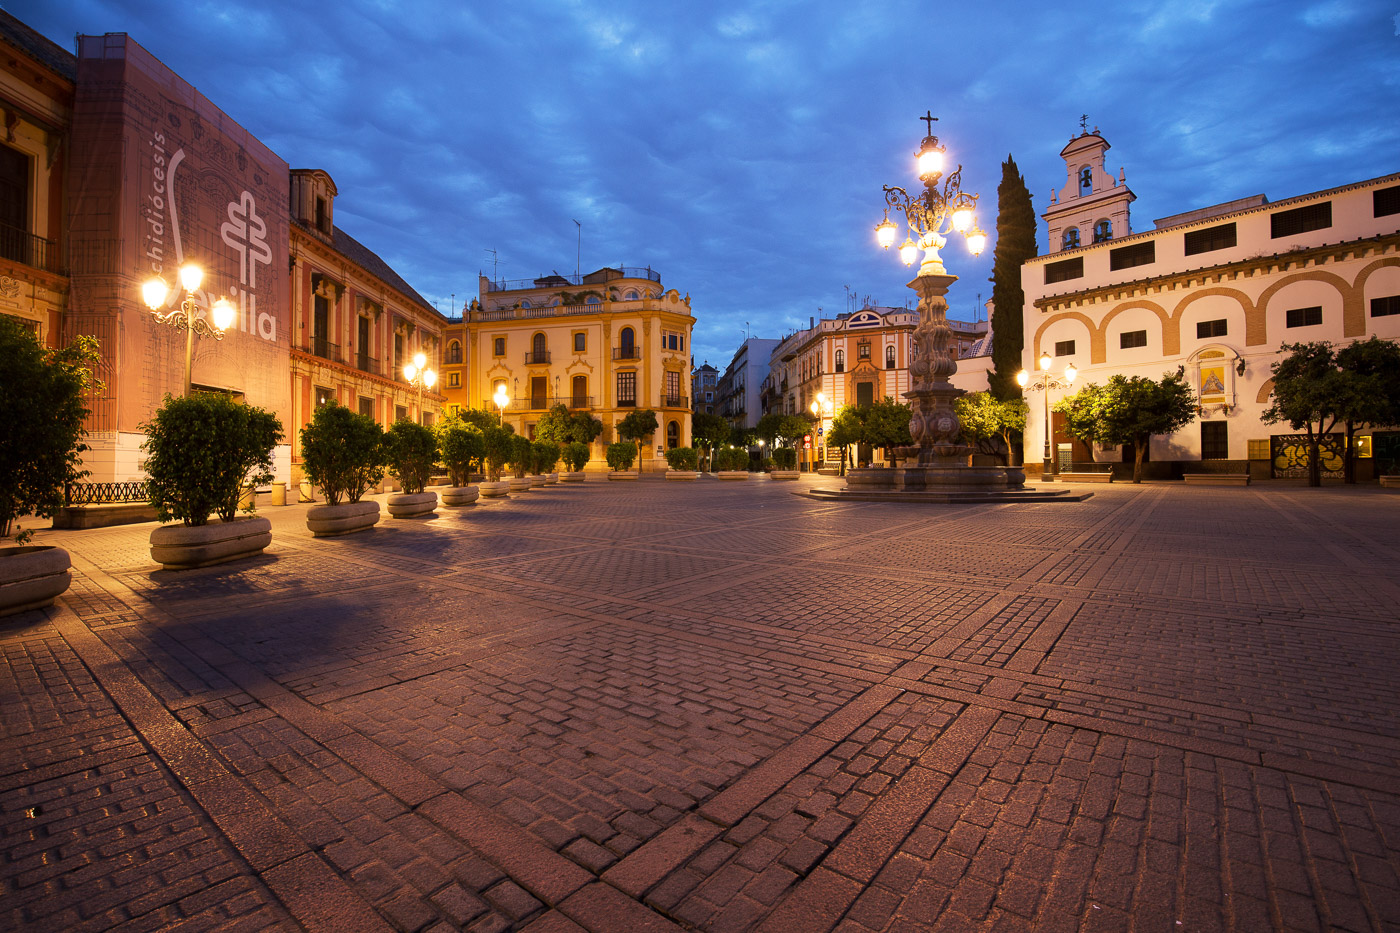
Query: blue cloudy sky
(740,148)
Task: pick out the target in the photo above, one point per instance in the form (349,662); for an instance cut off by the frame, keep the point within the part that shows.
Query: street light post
(156,293)
(418,374)
(502,399)
(820,408)
(1044,382)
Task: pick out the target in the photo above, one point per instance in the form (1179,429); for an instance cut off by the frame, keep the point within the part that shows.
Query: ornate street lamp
(418,374)
(502,399)
(1044,382)
(820,409)
(156,294)
(933,215)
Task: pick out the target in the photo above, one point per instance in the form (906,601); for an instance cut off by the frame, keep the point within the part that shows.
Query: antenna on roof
(495,261)
(578,257)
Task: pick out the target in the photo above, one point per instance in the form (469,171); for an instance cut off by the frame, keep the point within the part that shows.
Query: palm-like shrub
(621,454)
(682,458)
(412,452)
(202,450)
(343,453)
(461,446)
(576,455)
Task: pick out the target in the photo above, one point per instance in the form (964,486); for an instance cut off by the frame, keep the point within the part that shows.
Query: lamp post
(502,399)
(932,216)
(418,374)
(1044,382)
(820,408)
(185,315)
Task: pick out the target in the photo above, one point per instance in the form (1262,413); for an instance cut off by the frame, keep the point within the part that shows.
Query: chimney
(811,322)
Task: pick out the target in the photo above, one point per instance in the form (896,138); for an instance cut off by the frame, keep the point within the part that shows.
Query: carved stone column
(934,425)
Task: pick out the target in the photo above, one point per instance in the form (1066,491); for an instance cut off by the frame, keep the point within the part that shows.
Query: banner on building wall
(194,187)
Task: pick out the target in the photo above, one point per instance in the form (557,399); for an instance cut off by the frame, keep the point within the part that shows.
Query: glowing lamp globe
(1044,362)
(1070,373)
(429,378)
(962,219)
(908,252)
(930,162)
(976,242)
(224,313)
(884,233)
(190,277)
(1023,378)
(154,293)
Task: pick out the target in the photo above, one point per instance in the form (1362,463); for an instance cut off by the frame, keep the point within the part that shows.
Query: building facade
(609,343)
(740,396)
(1215,291)
(704,389)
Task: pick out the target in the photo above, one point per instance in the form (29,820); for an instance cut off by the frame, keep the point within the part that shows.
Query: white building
(1216,290)
(739,395)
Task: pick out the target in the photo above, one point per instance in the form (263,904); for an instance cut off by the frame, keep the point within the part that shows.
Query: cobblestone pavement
(721,706)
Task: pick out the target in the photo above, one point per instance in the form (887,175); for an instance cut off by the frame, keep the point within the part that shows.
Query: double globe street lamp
(821,408)
(186,314)
(502,399)
(418,374)
(1044,382)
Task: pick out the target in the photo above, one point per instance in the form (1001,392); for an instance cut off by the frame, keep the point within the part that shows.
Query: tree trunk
(1315,459)
(1349,456)
(1139,451)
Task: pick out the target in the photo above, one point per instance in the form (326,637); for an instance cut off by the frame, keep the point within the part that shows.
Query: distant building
(608,342)
(704,388)
(741,399)
(1216,291)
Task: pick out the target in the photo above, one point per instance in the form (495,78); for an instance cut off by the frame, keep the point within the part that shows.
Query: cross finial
(928,119)
(1083,122)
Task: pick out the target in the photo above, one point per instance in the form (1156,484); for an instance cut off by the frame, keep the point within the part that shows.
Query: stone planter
(183,547)
(733,474)
(495,490)
(538,479)
(412,504)
(682,475)
(31,576)
(519,483)
(1390,482)
(571,477)
(620,475)
(328,521)
(457,496)
(551,478)
(782,475)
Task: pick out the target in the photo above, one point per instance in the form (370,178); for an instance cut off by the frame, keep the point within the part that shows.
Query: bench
(1095,477)
(1216,479)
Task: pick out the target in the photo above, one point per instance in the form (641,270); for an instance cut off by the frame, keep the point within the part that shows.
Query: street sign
(807,441)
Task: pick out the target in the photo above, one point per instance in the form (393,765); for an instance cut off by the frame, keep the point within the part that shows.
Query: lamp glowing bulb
(429,378)
(962,219)
(976,242)
(223,314)
(1070,373)
(908,252)
(930,162)
(1023,378)
(1044,362)
(190,277)
(884,233)
(154,293)
(420,360)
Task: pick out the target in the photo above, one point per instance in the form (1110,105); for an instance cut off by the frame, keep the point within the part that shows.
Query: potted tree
(620,457)
(42,396)
(496,439)
(520,459)
(342,453)
(547,455)
(202,450)
(730,464)
(412,452)
(462,445)
(636,426)
(682,462)
(784,464)
(576,457)
(538,470)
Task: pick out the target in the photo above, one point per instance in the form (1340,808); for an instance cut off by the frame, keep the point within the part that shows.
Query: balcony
(22,246)
(542,403)
(537,359)
(627,353)
(674,401)
(320,346)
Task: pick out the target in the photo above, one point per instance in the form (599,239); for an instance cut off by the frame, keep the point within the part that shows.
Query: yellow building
(355,322)
(608,342)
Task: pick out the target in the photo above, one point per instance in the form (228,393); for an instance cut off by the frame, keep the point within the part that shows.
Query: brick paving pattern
(722,707)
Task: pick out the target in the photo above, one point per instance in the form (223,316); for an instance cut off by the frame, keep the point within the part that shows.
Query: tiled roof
(367,259)
(37,47)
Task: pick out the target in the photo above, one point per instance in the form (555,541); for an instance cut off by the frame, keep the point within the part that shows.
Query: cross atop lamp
(1044,383)
(156,294)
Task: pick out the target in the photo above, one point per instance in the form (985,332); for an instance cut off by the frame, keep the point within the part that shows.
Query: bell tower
(1093,205)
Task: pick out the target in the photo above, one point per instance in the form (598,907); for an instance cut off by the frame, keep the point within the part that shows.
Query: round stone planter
(622,475)
(551,478)
(538,479)
(494,490)
(571,477)
(519,483)
(183,547)
(328,521)
(1390,482)
(681,475)
(412,504)
(733,474)
(457,496)
(783,474)
(31,576)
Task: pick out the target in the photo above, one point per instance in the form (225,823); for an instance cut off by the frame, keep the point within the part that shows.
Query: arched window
(1086,181)
(580,392)
(1071,239)
(1103,230)
(525,303)
(592,300)
(673,435)
(889,357)
(626,340)
(537,351)
(840,361)
(631,295)
(454,352)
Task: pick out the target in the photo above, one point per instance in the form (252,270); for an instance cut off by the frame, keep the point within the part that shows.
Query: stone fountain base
(945,476)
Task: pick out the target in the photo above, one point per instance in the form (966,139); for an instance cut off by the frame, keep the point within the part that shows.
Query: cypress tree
(1015,244)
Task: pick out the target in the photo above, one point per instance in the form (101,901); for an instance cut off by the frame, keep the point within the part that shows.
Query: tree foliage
(731,458)
(1371,376)
(709,431)
(576,455)
(637,425)
(561,426)
(1016,229)
(42,393)
(991,422)
(1083,415)
(462,446)
(497,441)
(621,455)
(1135,408)
(342,453)
(545,456)
(201,451)
(887,426)
(521,454)
(682,458)
(785,458)
(482,418)
(412,451)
